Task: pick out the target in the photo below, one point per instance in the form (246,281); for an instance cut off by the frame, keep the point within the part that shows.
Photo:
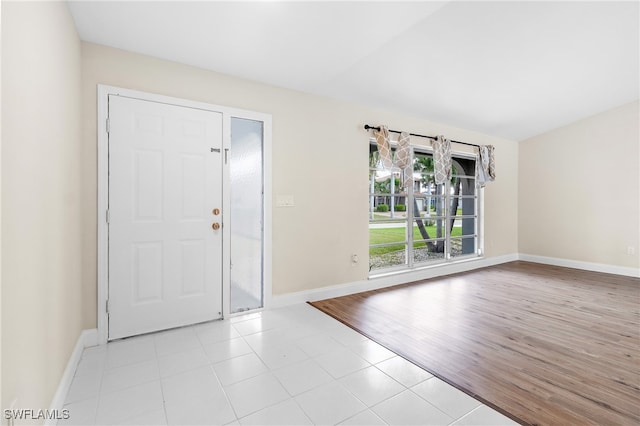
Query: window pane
(464,205)
(386,196)
(383,253)
(463,226)
(428,251)
(423,162)
(428,237)
(463,186)
(387,257)
(387,233)
(387,206)
(429,229)
(463,166)
(463,246)
(428,206)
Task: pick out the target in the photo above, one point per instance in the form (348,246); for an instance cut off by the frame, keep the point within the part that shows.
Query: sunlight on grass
(393,235)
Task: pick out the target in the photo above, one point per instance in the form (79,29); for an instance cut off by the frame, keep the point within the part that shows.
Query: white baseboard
(86,339)
(379,282)
(436,271)
(577,264)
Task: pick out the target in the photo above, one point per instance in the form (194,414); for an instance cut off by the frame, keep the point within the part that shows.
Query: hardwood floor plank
(542,344)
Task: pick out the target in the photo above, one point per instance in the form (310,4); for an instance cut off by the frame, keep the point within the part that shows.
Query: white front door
(165,183)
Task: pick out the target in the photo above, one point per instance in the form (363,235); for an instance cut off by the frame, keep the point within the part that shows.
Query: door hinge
(107,307)
(108,216)
(108,125)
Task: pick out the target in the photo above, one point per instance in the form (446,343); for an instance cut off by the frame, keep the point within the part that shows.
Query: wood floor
(544,345)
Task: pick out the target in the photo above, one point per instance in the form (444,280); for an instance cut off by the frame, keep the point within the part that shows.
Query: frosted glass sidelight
(246,176)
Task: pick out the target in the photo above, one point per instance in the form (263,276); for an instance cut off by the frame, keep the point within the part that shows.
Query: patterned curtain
(403,160)
(384,148)
(486,169)
(442,159)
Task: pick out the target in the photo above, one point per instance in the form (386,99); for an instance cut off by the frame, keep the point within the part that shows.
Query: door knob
(215,226)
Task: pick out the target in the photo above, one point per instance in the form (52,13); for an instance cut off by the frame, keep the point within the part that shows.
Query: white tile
(192,385)
(256,393)
(329,404)
(134,401)
(300,314)
(239,368)
(245,317)
(214,410)
(284,413)
(366,418)
(333,326)
(226,349)
(179,362)
(341,362)
(371,385)
(340,377)
(151,418)
(303,376)
(403,371)
(276,314)
(347,336)
(484,416)
(81,413)
(445,397)
(371,351)
(319,344)
(299,330)
(215,331)
(91,362)
(278,336)
(129,375)
(130,351)
(276,356)
(407,408)
(252,326)
(178,340)
(275,319)
(324,321)
(268,337)
(302,311)
(84,387)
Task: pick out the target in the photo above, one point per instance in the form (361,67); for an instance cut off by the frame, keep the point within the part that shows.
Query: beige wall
(320,156)
(579,189)
(41,312)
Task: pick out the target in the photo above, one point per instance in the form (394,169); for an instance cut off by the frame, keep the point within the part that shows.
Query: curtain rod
(367,127)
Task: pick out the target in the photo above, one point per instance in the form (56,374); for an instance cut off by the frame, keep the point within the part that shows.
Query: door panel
(165,177)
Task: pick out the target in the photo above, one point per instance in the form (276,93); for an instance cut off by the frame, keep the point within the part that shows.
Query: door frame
(103,92)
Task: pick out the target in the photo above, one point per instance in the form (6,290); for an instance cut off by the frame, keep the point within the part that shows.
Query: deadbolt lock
(215,226)
(216,212)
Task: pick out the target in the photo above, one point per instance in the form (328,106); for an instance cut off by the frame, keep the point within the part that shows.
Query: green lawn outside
(391,235)
(388,215)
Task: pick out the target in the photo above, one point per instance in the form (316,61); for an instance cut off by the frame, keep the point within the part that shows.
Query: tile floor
(289,366)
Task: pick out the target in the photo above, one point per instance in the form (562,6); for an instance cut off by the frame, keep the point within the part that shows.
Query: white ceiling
(507,69)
